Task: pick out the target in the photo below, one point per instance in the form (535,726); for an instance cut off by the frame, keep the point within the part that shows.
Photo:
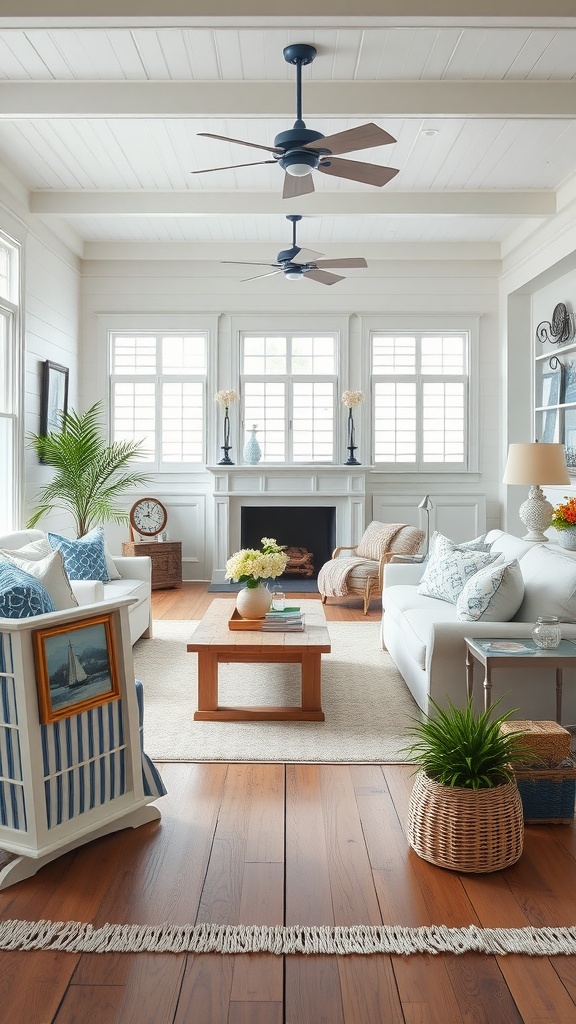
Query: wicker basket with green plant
(465,811)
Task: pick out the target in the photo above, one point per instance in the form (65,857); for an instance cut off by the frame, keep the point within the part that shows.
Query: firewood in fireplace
(300,562)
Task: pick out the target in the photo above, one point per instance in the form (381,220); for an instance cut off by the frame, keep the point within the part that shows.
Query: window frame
(11,401)
(468,326)
(289,380)
(157,325)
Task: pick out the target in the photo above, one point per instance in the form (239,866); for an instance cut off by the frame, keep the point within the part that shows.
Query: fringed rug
(75,937)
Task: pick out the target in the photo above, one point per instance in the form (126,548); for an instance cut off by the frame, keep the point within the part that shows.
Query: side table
(507,654)
(166,558)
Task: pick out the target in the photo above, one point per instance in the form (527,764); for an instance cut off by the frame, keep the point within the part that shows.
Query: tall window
(288,391)
(420,399)
(9,377)
(158,382)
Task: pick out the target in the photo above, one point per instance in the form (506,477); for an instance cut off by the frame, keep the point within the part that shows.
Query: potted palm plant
(465,810)
(91,475)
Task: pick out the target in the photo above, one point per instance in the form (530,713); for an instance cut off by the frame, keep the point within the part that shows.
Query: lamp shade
(536,464)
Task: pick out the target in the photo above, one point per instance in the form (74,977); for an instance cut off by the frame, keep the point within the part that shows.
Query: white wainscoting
(455,514)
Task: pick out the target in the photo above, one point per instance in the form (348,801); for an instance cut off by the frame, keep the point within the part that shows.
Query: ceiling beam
(217,251)
(203,204)
(264,10)
(526,99)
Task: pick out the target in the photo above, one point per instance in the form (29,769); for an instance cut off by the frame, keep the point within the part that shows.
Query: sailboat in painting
(76,674)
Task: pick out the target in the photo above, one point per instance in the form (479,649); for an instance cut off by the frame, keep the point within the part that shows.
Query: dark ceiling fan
(295,262)
(299,151)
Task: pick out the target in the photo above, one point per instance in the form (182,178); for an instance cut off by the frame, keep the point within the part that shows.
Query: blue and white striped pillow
(21,595)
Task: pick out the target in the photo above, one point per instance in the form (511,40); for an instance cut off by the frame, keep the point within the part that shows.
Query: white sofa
(135,582)
(426,640)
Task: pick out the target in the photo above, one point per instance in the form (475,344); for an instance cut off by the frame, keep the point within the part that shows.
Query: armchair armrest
(134,567)
(385,560)
(337,551)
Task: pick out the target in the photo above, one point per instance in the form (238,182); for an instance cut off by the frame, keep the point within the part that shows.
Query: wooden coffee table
(215,643)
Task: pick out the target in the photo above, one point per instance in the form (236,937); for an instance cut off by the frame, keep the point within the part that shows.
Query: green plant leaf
(90,475)
(460,748)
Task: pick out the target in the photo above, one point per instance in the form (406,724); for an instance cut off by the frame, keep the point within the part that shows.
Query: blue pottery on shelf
(252,450)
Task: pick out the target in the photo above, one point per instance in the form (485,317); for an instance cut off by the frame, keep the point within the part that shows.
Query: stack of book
(289,620)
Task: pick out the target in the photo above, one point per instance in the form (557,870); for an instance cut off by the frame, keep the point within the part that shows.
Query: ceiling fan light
(299,164)
(298,170)
(293,275)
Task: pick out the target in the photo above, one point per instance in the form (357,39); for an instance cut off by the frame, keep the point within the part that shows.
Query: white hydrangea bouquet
(250,566)
(351,398)
(226,398)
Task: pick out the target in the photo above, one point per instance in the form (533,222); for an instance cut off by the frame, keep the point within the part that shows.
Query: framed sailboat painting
(76,667)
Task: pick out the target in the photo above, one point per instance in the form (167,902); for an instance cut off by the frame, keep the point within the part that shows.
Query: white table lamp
(526,464)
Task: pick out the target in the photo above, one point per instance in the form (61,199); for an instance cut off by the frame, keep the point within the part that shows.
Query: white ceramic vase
(253,602)
(252,450)
(567,538)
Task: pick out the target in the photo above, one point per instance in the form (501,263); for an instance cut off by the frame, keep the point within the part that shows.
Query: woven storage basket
(465,829)
(548,794)
(548,741)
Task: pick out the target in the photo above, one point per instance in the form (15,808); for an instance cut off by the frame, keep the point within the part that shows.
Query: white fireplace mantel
(342,487)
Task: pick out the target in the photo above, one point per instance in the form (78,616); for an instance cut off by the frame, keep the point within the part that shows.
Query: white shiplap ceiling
(99,119)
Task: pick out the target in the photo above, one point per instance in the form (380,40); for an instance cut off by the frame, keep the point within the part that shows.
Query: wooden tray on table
(237,622)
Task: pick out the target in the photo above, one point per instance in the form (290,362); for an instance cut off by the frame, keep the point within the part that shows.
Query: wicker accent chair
(364,575)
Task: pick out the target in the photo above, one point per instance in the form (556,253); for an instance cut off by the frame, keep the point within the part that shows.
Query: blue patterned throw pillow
(21,595)
(493,594)
(84,558)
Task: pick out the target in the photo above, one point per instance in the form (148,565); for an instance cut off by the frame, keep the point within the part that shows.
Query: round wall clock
(148,517)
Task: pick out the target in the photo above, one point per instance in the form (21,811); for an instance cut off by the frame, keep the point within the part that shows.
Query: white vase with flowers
(254,567)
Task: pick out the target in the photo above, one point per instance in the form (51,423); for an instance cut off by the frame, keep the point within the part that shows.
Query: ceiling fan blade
(258,278)
(364,137)
(251,263)
(241,142)
(294,187)
(306,256)
(352,262)
(323,277)
(232,167)
(370,174)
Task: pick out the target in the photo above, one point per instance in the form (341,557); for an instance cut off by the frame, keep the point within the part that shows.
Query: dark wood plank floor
(293,844)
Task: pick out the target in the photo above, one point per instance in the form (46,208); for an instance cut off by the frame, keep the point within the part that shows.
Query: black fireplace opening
(308,532)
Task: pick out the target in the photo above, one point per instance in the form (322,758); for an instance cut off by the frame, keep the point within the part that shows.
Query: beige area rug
(366,702)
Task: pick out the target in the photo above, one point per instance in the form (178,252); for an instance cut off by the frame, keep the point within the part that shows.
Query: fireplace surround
(338,490)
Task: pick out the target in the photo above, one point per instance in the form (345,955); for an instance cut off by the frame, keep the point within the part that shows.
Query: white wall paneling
(457,515)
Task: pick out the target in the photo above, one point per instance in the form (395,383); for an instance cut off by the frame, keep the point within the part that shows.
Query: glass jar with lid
(546,632)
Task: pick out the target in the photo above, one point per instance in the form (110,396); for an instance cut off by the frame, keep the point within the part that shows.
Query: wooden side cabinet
(166,558)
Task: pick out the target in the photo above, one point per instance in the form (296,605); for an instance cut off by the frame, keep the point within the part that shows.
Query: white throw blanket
(333,576)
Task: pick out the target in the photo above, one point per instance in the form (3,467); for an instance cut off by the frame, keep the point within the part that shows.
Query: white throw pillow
(449,568)
(549,585)
(34,550)
(494,594)
(110,564)
(478,544)
(50,572)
